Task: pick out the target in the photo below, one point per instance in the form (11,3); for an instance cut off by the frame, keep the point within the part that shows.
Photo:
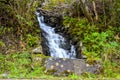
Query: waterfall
(55,41)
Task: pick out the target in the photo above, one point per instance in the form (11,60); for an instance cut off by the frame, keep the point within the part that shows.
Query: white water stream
(55,41)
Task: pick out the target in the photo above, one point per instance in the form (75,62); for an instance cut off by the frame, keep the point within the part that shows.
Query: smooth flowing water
(55,41)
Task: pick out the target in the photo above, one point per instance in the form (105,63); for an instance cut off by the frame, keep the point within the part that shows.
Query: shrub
(32,41)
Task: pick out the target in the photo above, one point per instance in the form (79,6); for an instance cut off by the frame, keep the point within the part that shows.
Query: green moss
(39,55)
(38,60)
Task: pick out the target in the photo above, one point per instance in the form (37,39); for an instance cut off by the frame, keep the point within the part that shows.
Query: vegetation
(19,32)
(99,45)
(18,25)
(101,39)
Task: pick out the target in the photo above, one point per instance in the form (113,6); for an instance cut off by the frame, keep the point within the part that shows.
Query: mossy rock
(64,66)
(38,60)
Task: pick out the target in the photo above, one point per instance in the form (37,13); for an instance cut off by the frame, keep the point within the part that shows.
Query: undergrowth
(102,45)
(22,65)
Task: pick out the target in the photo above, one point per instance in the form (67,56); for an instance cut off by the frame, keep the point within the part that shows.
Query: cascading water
(55,41)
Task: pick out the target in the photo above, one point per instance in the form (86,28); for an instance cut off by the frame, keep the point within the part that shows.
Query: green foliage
(79,27)
(1,63)
(19,15)
(17,20)
(55,2)
(19,65)
(100,44)
(32,40)
(111,69)
(5,30)
(73,76)
(2,44)
(1,30)
(90,76)
(96,41)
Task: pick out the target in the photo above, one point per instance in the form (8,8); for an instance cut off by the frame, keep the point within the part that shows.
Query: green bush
(32,40)
(2,44)
(2,63)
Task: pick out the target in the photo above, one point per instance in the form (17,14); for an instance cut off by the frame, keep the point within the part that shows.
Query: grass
(23,65)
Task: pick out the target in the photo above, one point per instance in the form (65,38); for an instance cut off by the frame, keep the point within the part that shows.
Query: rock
(63,66)
(4,75)
(37,50)
(74,40)
(51,18)
(44,43)
(79,66)
(79,50)
(37,60)
(94,68)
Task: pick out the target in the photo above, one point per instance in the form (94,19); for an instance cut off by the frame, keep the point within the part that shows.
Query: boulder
(37,60)
(37,50)
(63,66)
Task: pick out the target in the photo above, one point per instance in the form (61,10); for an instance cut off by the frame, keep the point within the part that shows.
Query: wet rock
(62,66)
(37,50)
(74,40)
(51,18)
(79,50)
(66,45)
(58,29)
(44,44)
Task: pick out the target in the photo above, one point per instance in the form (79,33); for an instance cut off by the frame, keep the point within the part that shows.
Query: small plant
(2,64)
(73,76)
(32,40)
(2,44)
